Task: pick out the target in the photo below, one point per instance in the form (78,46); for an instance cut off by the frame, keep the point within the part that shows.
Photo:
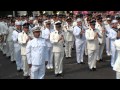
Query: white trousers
(100,51)
(46,53)
(92,56)
(17,51)
(5,45)
(73,43)
(25,65)
(80,51)
(37,71)
(58,62)
(68,48)
(117,75)
(86,51)
(4,48)
(10,50)
(113,52)
(1,46)
(108,47)
(49,56)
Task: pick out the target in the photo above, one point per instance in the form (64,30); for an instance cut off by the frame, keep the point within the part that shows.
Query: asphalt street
(71,70)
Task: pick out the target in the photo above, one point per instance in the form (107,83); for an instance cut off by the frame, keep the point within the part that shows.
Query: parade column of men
(31,45)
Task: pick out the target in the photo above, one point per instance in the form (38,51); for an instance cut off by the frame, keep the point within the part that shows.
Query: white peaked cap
(35,22)
(45,22)
(114,21)
(79,20)
(9,15)
(31,18)
(35,29)
(24,22)
(108,19)
(18,23)
(57,22)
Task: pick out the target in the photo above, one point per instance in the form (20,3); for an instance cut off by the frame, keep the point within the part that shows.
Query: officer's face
(58,27)
(79,23)
(109,21)
(48,25)
(31,21)
(92,26)
(18,27)
(12,24)
(26,30)
(36,34)
(69,22)
(114,25)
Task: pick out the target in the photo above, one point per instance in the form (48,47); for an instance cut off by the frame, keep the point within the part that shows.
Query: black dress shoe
(8,57)
(20,70)
(101,60)
(94,69)
(82,63)
(98,60)
(4,54)
(73,49)
(56,75)
(90,69)
(67,57)
(26,77)
(13,61)
(60,74)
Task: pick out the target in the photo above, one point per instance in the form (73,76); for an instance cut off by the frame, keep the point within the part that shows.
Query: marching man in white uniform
(69,38)
(49,46)
(116,66)
(108,28)
(79,41)
(17,47)
(35,51)
(10,43)
(23,38)
(1,35)
(101,39)
(4,29)
(57,39)
(92,46)
(113,36)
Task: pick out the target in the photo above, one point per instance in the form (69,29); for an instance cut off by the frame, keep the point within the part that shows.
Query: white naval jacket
(112,34)
(68,33)
(107,28)
(57,46)
(46,36)
(102,35)
(3,29)
(116,66)
(15,39)
(35,51)
(10,31)
(92,44)
(22,40)
(76,33)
